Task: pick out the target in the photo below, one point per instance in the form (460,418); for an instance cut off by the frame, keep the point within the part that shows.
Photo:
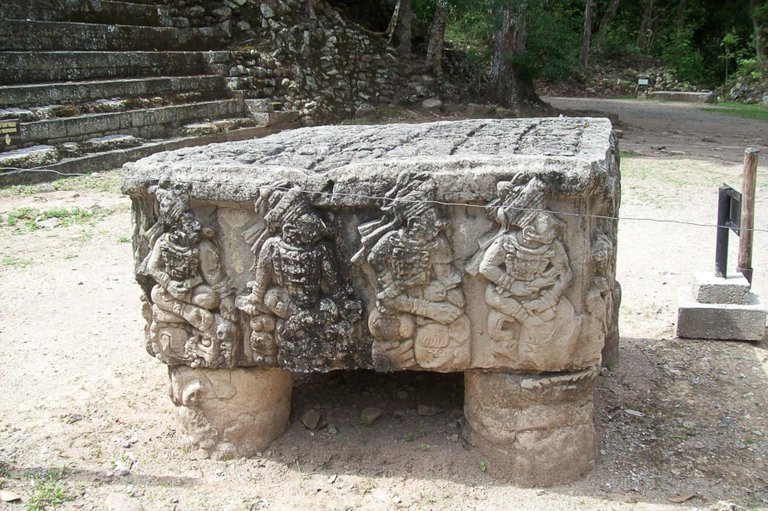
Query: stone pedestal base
(727,321)
(534,430)
(230,413)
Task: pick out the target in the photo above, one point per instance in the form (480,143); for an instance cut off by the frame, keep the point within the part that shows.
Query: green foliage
(553,40)
(734,109)
(423,11)
(17,262)
(49,491)
(683,57)
(29,218)
(101,182)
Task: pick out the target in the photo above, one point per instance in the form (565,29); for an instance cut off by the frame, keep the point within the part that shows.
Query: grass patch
(629,153)
(28,219)
(741,110)
(16,262)
(49,491)
(98,181)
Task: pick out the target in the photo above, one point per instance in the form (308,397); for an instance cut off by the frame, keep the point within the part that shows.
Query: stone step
(87,11)
(19,35)
(59,66)
(219,126)
(147,123)
(62,93)
(100,106)
(49,167)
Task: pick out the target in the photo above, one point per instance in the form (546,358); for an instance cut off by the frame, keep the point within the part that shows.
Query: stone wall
(305,56)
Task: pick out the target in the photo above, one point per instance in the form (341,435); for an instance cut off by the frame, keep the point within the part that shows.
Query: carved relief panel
(418,320)
(190,308)
(302,312)
(530,322)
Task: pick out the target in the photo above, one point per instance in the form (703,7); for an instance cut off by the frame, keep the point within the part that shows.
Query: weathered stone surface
(231,413)
(744,322)
(708,288)
(534,430)
(35,156)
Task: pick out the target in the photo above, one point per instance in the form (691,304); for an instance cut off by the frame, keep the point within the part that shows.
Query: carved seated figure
(529,271)
(299,308)
(419,316)
(192,312)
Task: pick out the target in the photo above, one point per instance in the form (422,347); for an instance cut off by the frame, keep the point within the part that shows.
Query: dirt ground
(85,417)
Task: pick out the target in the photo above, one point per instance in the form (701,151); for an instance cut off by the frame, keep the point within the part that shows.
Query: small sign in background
(9,133)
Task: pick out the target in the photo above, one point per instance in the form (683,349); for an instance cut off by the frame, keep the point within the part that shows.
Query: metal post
(721,248)
(747,213)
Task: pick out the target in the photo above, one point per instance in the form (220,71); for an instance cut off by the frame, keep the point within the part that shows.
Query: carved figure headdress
(278,205)
(411,196)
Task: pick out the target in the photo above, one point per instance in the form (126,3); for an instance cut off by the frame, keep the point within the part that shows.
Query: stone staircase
(96,83)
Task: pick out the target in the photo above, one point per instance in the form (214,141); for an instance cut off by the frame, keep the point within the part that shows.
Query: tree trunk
(757,8)
(400,26)
(404,28)
(680,21)
(505,87)
(610,13)
(586,35)
(436,37)
(645,24)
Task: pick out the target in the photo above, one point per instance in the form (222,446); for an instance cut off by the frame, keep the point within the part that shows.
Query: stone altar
(481,246)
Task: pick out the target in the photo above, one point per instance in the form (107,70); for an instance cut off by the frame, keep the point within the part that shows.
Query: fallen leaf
(681,497)
(7,496)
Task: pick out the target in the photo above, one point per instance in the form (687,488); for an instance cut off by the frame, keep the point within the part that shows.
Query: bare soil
(680,420)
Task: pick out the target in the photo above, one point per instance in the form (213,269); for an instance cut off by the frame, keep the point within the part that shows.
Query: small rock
(401,394)
(121,471)
(428,411)
(432,104)
(267,11)
(370,415)
(311,419)
(8,496)
(73,417)
(332,429)
(49,223)
(119,502)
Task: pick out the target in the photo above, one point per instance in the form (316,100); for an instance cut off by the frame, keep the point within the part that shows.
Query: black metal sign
(728,217)
(9,133)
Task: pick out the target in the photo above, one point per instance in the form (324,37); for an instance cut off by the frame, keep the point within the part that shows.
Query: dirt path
(674,129)
(678,418)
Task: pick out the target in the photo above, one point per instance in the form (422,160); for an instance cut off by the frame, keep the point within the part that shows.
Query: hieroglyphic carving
(302,313)
(419,317)
(193,316)
(531,321)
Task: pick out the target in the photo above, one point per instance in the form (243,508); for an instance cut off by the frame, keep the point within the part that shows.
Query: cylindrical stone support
(534,430)
(230,413)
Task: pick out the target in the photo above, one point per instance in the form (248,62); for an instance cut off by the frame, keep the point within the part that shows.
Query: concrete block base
(733,289)
(741,322)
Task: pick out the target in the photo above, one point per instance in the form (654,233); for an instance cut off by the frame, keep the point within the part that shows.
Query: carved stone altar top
(444,246)
(466,158)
